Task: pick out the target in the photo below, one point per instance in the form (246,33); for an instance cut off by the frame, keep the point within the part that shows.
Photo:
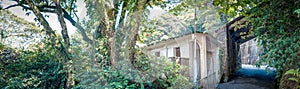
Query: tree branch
(51,9)
(11,6)
(42,20)
(48,10)
(46,26)
(64,31)
(77,25)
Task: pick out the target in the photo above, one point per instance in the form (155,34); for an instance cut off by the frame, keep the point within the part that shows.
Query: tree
(37,7)
(115,26)
(199,12)
(160,29)
(111,32)
(18,32)
(27,59)
(68,10)
(110,16)
(275,24)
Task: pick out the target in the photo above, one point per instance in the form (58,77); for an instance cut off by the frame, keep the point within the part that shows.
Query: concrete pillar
(203,61)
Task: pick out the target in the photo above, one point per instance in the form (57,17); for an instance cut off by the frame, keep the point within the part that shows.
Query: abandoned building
(202,59)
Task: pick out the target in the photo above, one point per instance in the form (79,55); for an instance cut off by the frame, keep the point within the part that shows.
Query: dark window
(157,54)
(177,51)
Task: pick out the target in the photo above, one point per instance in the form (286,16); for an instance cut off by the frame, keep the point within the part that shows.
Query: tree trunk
(138,15)
(64,32)
(47,27)
(42,20)
(134,39)
(108,33)
(111,51)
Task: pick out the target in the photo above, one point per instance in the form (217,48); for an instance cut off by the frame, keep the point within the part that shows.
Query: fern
(293,72)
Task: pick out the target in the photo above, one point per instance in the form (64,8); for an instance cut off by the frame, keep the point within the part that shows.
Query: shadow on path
(250,77)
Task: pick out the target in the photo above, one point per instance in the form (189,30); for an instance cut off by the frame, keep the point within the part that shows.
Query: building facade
(198,51)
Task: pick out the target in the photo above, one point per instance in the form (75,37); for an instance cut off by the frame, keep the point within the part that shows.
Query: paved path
(250,77)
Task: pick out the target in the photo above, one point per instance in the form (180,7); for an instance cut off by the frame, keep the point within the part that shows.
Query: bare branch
(51,9)
(11,6)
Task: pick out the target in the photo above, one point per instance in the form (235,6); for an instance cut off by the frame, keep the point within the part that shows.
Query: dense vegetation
(103,52)
(276,26)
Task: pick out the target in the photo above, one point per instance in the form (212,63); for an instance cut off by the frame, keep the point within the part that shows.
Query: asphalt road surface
(250,77)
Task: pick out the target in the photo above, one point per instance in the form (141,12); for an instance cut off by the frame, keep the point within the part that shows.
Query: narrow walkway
(250,77)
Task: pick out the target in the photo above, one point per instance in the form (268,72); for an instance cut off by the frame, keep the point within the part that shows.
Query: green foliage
(297,12)
(179,9)
(31,69)
(160,28)
(27,60)
(291,79)
(201,13)
(147,72)
(276,26)
(17,31)
(45,65)
(294,72)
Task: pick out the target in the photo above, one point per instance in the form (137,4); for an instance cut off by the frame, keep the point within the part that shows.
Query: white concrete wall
(163,52)
(187,51)
(184,50)
(201,38)
(168,50)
